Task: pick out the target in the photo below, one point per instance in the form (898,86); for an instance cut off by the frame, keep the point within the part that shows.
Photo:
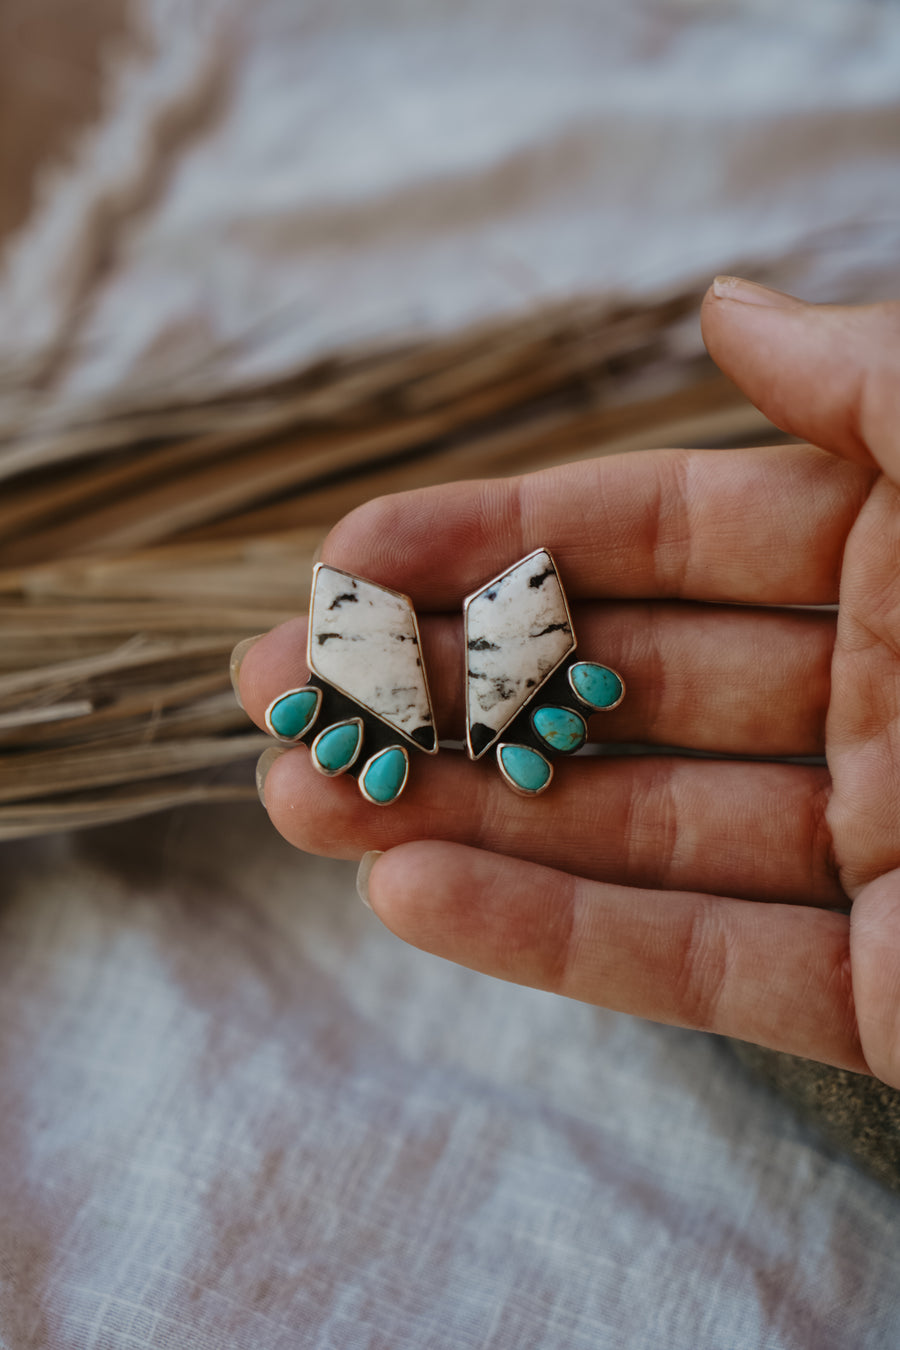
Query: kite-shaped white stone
(364,640)
(518,632)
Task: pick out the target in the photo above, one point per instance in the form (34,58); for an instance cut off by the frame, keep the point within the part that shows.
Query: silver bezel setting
(510,782)
(368,764)
(302,688)
(346,722)
(574,713)
(593,707)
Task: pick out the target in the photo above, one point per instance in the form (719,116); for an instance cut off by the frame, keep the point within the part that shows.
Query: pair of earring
(526,695)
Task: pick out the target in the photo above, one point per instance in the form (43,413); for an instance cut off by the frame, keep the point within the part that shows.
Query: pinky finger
(776,975)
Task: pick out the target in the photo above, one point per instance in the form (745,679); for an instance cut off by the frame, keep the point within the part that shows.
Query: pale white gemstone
(518,631)
(363,640)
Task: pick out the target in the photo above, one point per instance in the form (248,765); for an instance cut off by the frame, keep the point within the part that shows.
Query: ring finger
(752,830)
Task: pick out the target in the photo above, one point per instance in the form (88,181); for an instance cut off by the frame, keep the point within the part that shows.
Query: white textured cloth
(275,179)
(237,1112)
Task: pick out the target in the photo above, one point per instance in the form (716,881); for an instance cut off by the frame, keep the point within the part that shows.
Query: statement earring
(525,694)
(367,692)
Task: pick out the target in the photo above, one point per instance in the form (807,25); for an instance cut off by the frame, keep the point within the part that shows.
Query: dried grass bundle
(135,552)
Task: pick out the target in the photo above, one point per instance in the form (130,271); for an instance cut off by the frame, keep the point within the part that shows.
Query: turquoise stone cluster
(559,728)
(556,727)
(337,748)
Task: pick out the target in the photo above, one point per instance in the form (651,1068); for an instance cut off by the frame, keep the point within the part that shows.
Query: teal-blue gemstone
(385,776)
(337,748)
(525,767)
(597,685)
(294,714)
(559,728)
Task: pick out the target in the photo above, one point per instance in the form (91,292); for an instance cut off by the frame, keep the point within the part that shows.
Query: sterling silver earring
(526,696)
(367,692)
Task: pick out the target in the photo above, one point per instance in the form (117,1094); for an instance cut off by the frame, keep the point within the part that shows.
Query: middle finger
(729,679)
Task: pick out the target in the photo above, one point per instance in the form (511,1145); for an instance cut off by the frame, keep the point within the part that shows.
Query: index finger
(759,526)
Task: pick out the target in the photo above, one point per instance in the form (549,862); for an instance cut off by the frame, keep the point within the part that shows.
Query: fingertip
(429,892)
(269,666)
(495,914)
(320,815)
(408,880)
(745,292)
(825,373)
(364,873)
(797,362)
(263,765)
(735,312)
(238,653)
(364,541)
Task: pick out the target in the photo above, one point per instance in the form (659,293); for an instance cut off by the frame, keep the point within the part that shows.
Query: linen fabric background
(234,1110)
(237,1112)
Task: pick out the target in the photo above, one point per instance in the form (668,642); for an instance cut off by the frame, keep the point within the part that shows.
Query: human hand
(700,892)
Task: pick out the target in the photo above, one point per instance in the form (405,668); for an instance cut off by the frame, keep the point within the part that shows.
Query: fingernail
(317,552)
(264,764)
(366,863)
(237,657)
(751,293)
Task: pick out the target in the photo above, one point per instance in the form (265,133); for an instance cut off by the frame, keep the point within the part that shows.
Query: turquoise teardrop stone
(526,768)
(294,714)
(559,728)
(597,685)
(336,748)
(383,780)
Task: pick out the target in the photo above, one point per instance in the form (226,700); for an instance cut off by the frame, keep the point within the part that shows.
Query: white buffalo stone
(363,641)
(518,632)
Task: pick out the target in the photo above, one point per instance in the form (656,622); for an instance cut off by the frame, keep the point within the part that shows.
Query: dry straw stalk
(136,551)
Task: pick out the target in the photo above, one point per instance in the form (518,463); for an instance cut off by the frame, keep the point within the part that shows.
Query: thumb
(829,374)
